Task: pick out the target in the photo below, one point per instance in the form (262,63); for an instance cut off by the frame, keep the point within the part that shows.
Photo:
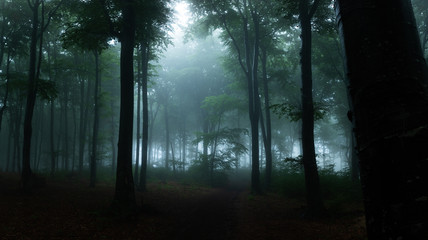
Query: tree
(421,12)
(387,76)
(306,11)
(240,21)
(38,28)
(151,32)
(124,197)
(89,33)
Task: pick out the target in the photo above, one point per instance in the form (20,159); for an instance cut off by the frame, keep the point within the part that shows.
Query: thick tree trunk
(124,197)
(313,195)
(387,74)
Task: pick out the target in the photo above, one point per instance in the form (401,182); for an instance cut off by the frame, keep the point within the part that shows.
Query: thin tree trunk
(268,142)
(31,99)
(166,135)
(94,155)
(113,138)
(145,51)
(137,148)
(9,143)
(2,32)
(6,95)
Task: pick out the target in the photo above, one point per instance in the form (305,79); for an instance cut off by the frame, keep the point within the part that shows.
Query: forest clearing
(69,209)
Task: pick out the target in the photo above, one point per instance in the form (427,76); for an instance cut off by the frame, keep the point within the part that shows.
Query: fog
(213,119)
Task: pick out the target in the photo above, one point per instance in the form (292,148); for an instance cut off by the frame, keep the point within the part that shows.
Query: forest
(214,119)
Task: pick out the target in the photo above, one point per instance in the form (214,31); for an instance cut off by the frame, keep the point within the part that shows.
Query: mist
(208,119)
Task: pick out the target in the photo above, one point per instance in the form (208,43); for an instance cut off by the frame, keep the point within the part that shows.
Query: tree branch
(313,8)
(234,42)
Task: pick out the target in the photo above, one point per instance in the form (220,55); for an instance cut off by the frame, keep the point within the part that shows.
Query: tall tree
(124,197)
(306,11)
(38,27)
(151,32)
(240,21)
(387,76)
(89,33)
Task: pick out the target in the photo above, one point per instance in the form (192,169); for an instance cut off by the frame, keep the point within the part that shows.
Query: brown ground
(71,210)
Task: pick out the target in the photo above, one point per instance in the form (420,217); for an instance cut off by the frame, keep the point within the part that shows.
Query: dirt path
(213,216)
(170,210)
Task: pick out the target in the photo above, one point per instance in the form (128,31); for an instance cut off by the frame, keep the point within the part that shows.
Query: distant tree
(387,76)
(90,33)
(240,22)
(224,143)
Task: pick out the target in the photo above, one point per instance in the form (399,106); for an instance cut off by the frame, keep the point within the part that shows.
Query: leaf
(47,90)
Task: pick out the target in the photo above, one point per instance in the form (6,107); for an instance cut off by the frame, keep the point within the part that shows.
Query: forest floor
(69,209)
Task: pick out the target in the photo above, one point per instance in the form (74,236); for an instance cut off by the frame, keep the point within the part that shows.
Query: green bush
(336,187)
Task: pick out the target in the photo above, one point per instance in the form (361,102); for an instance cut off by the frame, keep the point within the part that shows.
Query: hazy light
(182,19)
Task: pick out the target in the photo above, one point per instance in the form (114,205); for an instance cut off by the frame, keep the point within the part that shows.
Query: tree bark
(166,133)
(313,195)
(138,133)
(387,76)
(145,51)
(124,197)
(31,99)
(94,155)
(268,140)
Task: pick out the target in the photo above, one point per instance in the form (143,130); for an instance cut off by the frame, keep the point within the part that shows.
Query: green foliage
(229,138)
(336,187)
(294,114)
(47,89)
(288,110)
(198,172)
(86,29)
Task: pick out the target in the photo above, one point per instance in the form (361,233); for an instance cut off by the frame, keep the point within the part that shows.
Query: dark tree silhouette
(124,197)
(314,200)
(387,72)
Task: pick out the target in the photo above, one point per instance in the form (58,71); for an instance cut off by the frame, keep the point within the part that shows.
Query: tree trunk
(31,100)
(313,195)
(268,141)
(113,139)
(387,76)
(2,32)
(124,197)
(84,120)
(166,134)
(94,155)
(145,64)
(6,95)
(137,148)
